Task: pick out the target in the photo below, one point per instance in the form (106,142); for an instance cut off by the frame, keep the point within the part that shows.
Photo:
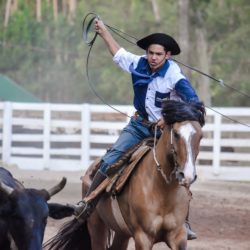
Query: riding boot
(190,234)
(97,180)
(84,209)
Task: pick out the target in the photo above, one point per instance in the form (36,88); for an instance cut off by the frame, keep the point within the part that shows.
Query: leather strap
(118,216)
(144,121)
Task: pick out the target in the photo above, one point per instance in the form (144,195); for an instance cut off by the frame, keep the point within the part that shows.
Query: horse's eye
(176,135)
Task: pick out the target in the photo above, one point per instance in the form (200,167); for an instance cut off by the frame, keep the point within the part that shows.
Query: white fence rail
(69,137)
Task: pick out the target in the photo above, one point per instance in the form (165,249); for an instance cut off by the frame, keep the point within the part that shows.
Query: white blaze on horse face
(186,132)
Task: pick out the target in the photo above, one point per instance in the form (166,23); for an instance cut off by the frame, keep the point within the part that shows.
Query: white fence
(68,137)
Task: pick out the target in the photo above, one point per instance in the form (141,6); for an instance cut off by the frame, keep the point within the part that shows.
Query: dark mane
(176,111)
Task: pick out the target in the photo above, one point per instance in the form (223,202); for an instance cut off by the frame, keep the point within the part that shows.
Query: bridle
(177,168)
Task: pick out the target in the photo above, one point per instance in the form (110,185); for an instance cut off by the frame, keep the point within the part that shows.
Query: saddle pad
(135,159)
(114,184)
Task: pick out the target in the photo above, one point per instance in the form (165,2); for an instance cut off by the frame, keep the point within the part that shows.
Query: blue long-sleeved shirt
(150,89)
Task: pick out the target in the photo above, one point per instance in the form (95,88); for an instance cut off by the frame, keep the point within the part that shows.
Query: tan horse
(155,202)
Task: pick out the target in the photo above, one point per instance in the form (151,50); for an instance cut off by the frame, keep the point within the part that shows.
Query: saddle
(118,173)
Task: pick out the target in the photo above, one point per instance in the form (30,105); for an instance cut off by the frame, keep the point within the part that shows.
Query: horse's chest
(171,213)
(170,221)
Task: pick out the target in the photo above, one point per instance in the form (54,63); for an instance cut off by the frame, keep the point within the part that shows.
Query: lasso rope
(121,34)
(91,43)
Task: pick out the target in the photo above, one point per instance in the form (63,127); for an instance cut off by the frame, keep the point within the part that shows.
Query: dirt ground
(220,211)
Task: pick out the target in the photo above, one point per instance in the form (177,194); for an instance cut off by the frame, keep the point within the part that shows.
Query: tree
(38,11)
(203,57)
(72,10)
(48,56)
(156,11)
(7,13)
(55,9)
(184,30)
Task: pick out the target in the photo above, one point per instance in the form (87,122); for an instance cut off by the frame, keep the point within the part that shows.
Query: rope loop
(86,30)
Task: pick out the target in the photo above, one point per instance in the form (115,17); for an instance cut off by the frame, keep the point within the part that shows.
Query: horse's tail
(72,235)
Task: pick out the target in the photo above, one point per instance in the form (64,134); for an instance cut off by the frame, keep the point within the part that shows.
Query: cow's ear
(58,211)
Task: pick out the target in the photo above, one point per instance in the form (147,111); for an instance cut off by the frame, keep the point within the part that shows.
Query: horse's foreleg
(142,241)
(178,240)
(119,242)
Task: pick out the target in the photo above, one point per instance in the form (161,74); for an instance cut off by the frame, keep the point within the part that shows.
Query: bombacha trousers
(132,134)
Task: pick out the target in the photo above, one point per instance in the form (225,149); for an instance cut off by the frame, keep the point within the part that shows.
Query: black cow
(24,213)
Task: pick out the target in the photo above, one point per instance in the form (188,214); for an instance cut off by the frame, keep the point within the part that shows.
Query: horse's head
(184,122)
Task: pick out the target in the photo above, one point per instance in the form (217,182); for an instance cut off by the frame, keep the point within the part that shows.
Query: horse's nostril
(184,181)
(180,176)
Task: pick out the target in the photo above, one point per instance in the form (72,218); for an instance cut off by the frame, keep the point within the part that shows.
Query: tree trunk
(184,26)
(203,63)
(64,7)
(14,6)
(38,11)
(72,10)
(7,13)
(55,9)
(202,57)
(156,11)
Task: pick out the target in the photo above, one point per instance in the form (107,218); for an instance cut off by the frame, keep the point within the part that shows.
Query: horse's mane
(176,111)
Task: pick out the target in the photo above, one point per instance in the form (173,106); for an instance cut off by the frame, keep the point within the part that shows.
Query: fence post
(46,135)
(7,133)
(216,144)
(85,136)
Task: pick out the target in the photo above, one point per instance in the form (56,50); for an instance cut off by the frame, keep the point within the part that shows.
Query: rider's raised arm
(102,30)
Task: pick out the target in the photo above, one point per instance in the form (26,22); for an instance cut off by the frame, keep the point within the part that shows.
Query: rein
(176,169)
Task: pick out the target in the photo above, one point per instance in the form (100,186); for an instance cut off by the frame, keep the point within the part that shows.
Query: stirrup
(83,210)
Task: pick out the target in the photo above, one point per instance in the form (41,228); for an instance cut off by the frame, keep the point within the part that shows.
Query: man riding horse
(154,77)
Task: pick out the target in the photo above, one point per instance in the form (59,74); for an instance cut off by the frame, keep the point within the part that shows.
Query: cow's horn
(54,190)
(6,189)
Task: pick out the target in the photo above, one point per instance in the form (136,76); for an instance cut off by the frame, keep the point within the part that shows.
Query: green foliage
(49,57)
(229,34)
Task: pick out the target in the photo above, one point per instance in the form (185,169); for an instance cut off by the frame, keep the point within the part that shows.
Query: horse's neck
(149,169)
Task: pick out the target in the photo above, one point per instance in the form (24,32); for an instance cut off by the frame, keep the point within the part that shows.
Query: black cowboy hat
(165,40)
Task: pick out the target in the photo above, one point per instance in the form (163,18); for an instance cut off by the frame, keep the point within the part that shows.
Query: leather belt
(144,121)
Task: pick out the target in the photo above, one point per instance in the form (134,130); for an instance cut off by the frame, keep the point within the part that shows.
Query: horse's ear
(163,114)
(166,118)
(199,111)
(167,109)
(202,110)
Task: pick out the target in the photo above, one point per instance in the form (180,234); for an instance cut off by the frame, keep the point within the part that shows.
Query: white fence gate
(69,137)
